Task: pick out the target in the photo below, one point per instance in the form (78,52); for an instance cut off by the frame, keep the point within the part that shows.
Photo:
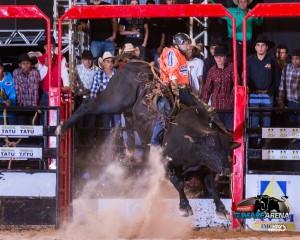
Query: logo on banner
(283,132)
(262,206)
(271,154)
(271,132)
(283,154)
(295,132)
(295,154)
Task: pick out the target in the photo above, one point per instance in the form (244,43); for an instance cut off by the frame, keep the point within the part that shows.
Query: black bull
(190,146)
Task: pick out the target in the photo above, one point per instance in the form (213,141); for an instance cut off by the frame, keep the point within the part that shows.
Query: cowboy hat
(23,58)
(86,54)
(105,56)
(220,51)
(236,2)
(213,42)
(296,52)
(261,38)
(129,48)
(198,46)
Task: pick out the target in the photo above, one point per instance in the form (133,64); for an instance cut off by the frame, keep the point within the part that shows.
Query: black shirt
(101,28)
(130,24)
(156,27)
(261,74)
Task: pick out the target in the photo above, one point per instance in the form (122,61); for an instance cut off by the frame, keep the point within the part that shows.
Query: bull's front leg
(211,188)
(185,209)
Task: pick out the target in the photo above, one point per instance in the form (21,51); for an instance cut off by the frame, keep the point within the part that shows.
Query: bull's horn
(189,138)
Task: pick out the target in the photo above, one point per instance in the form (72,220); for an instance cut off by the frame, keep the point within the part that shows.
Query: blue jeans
(294,117)
(259,101)
(44,99)
(227,119)
(157,130)
(98,48)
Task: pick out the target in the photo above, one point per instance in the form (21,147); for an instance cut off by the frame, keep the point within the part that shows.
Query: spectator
(135,31)
(101,79)
(7,93)
(195,68)
(239,13)
(26,82)
(174,25)
(43,69)
(82,84)
(103,32)
(156,38)
(289,89)
(127,53)
(282,58)
(261,80)
(83,77)
(209,61)
(220,87)
(173,71)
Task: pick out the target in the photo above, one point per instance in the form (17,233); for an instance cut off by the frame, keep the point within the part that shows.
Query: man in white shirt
(195,69)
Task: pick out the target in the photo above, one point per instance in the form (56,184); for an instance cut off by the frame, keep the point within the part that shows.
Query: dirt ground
(211,233)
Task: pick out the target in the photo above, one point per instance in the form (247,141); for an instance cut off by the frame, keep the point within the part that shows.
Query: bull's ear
(234,145)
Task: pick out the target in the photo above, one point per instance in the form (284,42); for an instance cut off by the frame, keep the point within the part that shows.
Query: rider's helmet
(181,38)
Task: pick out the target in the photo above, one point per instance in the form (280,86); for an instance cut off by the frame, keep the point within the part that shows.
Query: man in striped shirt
(289,88)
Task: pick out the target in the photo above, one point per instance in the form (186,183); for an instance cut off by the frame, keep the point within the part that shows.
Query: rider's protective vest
(173,66)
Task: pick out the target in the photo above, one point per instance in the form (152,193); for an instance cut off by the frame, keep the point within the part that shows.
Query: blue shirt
(100,82)
(9,92)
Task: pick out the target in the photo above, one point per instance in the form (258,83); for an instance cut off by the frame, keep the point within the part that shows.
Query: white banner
(22,184)
(19,153)
(280,132)
(275,186)
(20,131)
(280,154)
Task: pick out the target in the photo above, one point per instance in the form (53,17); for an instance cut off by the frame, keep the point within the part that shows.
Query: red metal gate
(178,10)
(261,10)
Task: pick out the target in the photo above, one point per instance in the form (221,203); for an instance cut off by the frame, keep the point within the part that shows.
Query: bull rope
(9,143)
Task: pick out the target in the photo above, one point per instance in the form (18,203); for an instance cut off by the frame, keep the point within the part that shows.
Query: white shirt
(87,75)
(195,69)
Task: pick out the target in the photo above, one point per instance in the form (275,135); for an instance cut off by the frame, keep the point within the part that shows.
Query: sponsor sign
(280,154)
(281,132)
(20,131)
(19,153)
(279,196)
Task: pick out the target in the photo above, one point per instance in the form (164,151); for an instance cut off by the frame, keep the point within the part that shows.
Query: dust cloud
(137,210)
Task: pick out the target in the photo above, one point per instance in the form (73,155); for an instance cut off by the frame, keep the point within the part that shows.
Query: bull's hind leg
(84,109)
(210,185)
(185,209)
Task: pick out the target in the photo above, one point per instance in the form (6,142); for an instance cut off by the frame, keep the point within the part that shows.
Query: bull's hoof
(186,212)
(223,215)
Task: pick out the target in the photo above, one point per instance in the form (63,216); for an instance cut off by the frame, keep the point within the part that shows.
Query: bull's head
(215,150)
